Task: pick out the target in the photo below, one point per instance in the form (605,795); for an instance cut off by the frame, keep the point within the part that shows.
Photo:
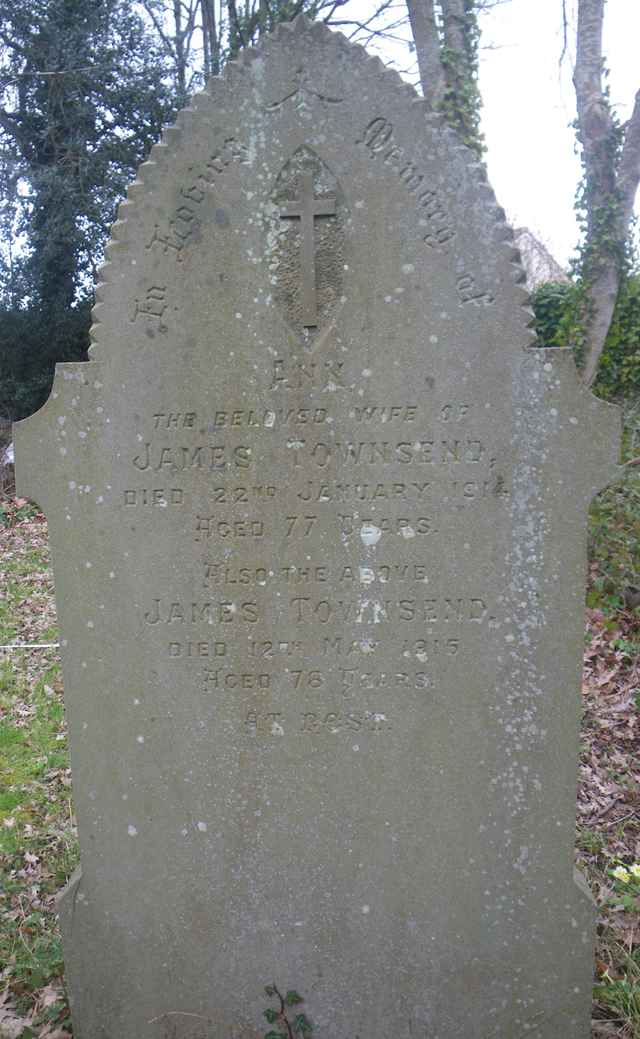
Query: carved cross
(306,209)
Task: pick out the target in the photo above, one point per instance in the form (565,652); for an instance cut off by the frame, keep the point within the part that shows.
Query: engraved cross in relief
(306,210)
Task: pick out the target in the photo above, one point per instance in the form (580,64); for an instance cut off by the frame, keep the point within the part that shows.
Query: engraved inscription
(216,678)
(162,612)
(384,452)
(372,611)
(184,223)
(211,527)
(159,496)
(333,723)
(468,292)
(197,649)
(152,307)
(240,495)
(346,492)
(210,457)
(294,376)
(378,138)
(262,622)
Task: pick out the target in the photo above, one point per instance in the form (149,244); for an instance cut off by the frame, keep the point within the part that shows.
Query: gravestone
(318,521)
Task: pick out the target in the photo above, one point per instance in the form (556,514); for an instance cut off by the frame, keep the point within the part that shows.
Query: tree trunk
(448,62)
(211,43)
(453,25)
(611,180)
(181,59)
(427,42)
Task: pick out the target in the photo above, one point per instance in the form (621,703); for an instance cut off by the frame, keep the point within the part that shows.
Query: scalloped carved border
(289,33)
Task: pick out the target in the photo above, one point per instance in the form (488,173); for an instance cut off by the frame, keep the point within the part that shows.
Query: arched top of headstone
(307,112)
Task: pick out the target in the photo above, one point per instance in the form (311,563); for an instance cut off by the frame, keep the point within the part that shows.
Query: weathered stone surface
(318,525)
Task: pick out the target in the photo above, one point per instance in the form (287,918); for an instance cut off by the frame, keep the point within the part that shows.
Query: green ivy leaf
(274,1035)
(269,989)
(271,1015)
(292,998)
(302,1024)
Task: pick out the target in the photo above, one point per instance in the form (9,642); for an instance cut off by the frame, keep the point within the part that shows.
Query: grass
(38,846)
(617,994)
(614,533)
(38,849)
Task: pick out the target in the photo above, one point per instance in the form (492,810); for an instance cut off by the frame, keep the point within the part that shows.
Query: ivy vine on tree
(446,39)
(446,36)
(610,155)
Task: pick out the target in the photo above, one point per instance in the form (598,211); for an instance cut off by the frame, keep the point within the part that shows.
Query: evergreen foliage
(619,369)
(560,311)
(83,97)
(30,347)
(85,88)
(461,101)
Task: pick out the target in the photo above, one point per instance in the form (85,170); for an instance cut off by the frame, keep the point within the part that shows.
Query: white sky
(529,104)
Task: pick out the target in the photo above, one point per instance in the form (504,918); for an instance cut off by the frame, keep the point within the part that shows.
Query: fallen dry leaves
(609,792)
(608,812)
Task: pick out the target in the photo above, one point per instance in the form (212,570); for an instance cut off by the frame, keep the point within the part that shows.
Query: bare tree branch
(233,19)
(565,31)
(157,24)
(334,7)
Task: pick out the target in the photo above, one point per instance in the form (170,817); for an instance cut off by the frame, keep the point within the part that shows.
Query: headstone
(318,520)
(539,265)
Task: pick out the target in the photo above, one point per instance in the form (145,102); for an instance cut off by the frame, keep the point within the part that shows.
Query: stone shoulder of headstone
(64,423)
(317,509)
